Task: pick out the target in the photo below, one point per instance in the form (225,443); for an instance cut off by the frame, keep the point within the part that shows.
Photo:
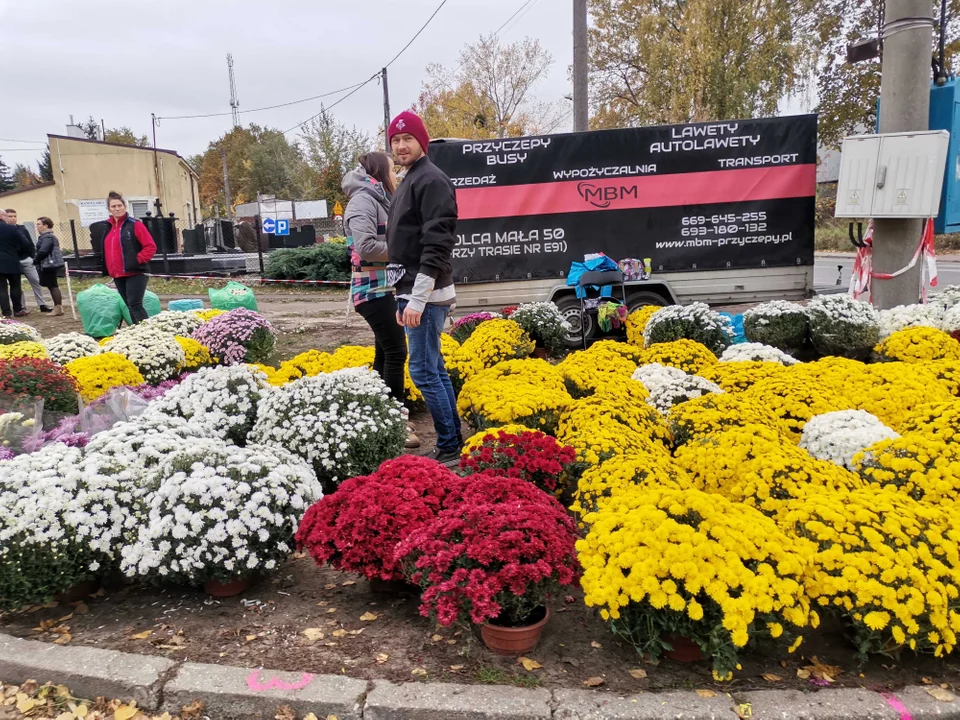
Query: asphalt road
(828,268)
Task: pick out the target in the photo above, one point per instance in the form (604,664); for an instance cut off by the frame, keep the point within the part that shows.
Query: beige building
(85,171)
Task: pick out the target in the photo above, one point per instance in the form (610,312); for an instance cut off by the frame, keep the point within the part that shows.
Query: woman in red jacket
(127,251)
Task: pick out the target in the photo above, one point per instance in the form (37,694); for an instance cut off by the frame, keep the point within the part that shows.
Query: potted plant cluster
(545,325)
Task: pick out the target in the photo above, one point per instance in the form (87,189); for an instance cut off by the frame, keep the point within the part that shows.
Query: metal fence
(214,247)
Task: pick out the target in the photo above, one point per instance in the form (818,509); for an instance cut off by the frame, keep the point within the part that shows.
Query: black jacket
(48,251)
(26,233)
(422,229)
(14,247)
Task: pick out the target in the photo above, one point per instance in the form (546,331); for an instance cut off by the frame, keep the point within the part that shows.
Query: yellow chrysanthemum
(25,348)
(919,344)
(197,355)
(97,374)
(687,355)
(637,321)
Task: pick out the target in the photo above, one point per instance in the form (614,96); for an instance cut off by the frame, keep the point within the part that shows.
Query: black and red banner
(707,196)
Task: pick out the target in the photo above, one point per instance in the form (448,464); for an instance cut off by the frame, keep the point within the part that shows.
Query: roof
(28,188)
(128,147)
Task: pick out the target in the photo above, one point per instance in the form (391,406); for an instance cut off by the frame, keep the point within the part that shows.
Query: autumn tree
(330,149)
(848,93)
(24,176)
(90,128)
(674,61)
(125,136)
(491,93)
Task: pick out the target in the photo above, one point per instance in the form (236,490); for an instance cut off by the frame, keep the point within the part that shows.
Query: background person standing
(49,261)
(13,248)
(28,269)
(420,237)
(128,248)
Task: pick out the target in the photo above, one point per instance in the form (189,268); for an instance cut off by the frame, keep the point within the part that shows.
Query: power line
(429,20)
(529,7)
(19,149)
(25,142)
(527,4)
(268,107)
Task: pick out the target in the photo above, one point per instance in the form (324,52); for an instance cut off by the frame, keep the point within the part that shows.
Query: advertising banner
(705,196)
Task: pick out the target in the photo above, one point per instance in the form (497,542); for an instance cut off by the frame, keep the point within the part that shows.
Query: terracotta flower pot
(215,588)
(80,591)
(504,640)
(684,650)
(541,353)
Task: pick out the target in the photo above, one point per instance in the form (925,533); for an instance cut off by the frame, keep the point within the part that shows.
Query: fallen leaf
(339,633)
(940,694)
(329,586)
(165,716)
(638,674)
(528,664)
(745,710)
(784,663)
(45,625)
(706,693)
(451,642)
(382,658)
(437,638)
(368,617)
(456,668)
(125,712)
(594,682)
(192,710)
(331,717)
(99,593)
(285,712)
(81,711)
(142,636)
(26,704)
(331,610)
(348,583)
(419,672)
(330,644)
(356,632)
(818,670)
(65,618)
(251,638)
(63,639)
(310,716)
(926,681)
(66,716)
(803,674)
(770,677)
(596,645)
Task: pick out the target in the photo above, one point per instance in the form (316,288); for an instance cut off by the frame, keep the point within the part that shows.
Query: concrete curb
(231,693)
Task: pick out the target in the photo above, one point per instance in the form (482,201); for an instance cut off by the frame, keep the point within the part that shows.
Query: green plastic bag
(233,296)
(151,303)
(101,310)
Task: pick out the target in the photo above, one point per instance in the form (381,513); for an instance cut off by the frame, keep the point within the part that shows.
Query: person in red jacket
(127,250)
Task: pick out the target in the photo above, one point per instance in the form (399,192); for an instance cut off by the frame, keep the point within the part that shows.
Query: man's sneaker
(450,458)
(46,309)
(413,442)
(22,313)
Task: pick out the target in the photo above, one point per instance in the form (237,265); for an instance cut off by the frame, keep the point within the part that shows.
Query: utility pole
(386,110)
(581,60)
(226,184)
(904,106)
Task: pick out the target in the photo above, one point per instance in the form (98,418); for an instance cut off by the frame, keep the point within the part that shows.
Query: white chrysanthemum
(216,503)
(157,354)
(175,322)
(694,322)
(222,401)
(669,386)
(840,325)
(58,524)
(908,316)
(839,436)
(345,422)
(68,347)
(12,332)
(756,352)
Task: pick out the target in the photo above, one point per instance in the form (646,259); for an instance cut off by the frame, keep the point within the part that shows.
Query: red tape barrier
(335,283)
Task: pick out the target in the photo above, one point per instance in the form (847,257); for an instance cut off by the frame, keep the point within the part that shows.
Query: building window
(139,208)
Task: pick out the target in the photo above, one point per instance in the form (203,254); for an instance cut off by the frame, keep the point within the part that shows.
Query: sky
(121,60)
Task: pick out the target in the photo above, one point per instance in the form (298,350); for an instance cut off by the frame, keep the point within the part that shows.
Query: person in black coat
(14,247)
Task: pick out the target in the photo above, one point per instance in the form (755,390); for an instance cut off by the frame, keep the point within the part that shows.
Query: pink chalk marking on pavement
(275,683)
(894,702)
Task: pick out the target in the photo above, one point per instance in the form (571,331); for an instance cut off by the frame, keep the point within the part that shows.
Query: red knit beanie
(408,122)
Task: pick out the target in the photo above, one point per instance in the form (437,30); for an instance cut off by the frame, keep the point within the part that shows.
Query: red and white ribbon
(863,274)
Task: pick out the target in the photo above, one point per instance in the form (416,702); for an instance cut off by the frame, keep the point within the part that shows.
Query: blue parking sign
(283,227)
(269,225)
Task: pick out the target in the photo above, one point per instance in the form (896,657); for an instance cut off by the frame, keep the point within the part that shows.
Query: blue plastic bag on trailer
(589,264)
(738,334)
(185,304)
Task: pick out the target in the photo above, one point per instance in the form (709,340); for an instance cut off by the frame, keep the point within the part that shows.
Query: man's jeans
(429,374)
(29,271)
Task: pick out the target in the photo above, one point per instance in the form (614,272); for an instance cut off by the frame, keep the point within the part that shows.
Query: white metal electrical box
(894,175)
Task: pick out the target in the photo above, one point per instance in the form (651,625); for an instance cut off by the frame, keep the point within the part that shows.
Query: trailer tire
(570,309)
(640,298)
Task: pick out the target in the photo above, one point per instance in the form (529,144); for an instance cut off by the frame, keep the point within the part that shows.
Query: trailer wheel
(570,309)
(637,300)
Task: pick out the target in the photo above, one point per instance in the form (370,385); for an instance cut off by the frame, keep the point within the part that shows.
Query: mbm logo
(601,197)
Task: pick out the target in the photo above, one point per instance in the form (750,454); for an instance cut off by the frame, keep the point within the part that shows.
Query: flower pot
(542,353)
(218,589)
(393,587)
(684,650)
(80,591)
(504,640)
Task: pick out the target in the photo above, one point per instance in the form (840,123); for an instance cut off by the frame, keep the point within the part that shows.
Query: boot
(413,442)
(58,310)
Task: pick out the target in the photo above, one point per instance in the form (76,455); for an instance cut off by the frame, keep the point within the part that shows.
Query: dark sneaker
(22,313)
(46,309)
(450,458)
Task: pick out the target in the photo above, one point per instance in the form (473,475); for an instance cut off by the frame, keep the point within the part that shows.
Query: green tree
(672,61)
(330,149)
(848,93)
(45,166)
(91,128)
(491,93)
(126,136)
(6,178)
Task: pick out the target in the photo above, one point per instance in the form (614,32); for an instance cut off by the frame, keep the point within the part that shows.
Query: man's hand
(411,318)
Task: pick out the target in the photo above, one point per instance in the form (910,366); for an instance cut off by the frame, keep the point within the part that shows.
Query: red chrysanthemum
(531,456)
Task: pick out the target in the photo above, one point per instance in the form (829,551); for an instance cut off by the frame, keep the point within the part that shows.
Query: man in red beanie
(420,237)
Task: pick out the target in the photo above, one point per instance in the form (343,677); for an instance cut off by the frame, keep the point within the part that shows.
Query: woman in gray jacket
(49,262)
(369,189)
